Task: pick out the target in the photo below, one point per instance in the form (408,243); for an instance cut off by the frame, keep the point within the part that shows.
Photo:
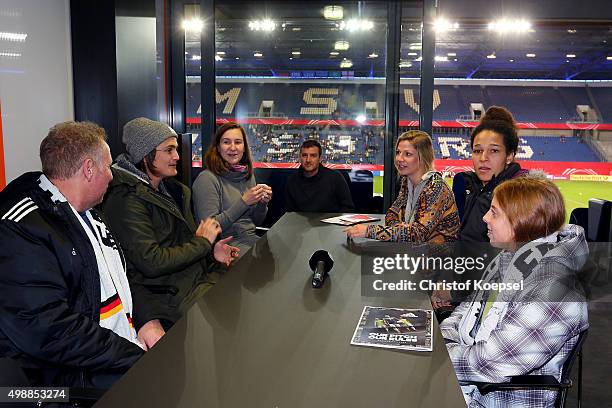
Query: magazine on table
(403,329)
(350,219)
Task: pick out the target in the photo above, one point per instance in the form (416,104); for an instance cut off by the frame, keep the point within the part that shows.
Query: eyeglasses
(168,150)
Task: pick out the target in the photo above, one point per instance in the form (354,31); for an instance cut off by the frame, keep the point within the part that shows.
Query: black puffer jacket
(477,200)
(165,260)
(50,293)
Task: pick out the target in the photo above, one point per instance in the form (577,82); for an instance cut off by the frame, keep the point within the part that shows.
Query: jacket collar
(146,192)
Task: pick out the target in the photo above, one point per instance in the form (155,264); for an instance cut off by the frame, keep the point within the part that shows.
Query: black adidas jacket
(50,293)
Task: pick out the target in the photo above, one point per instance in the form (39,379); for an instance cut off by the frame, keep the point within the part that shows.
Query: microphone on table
(321,263)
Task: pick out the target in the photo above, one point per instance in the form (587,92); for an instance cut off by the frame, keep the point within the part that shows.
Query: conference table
(263,337)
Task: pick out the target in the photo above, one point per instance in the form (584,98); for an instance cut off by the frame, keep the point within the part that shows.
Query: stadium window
(283,96)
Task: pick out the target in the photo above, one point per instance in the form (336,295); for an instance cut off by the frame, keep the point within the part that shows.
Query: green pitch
(576,193)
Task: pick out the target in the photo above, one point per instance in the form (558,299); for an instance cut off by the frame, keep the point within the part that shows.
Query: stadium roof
(569,40)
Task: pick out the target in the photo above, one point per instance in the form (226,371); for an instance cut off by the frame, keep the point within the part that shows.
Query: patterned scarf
(116,298)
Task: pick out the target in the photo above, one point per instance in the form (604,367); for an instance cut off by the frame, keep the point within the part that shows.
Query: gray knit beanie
(142,135)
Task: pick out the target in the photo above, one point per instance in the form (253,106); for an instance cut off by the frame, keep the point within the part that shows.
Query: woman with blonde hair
(425,209)
(531,327)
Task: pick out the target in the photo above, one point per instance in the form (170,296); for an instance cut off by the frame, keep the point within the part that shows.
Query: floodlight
(346,63)
(18,37)
(341,45)
(333,12)
(193,25)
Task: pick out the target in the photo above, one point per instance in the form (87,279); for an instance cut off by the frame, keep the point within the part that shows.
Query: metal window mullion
(392,72)
(428,38)
(207,72)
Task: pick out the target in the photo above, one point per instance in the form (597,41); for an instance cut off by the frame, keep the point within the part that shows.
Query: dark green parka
(165,260)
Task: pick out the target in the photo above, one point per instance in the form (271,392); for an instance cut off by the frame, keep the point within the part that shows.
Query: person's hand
(356,231)
(440,298)
(253,194)
(267,194)
(225,253)
(150,333)
(209,229)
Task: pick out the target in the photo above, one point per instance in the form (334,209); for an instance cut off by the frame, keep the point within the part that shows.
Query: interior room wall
(35,78)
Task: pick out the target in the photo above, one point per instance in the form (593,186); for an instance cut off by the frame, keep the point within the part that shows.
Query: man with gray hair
(65,302)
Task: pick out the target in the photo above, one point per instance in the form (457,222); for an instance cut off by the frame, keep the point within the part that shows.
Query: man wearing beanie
(168,255)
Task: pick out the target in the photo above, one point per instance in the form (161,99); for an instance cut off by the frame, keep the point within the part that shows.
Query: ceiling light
(509,26)
(346,63)
(571,31)
(441,58)
(333,12)
(419,59)
(196,57)
(415,46)
(412,54)
(296,29)
(511,60)
(441,25)
(334,53)
(405,64)
(10,54)
(257,54)
(455,59)
(450,54)
(193,25)
(356,25)
(570,56)
(19,37)
(262,25)
(237,58)
(341,45)
(530,55)
(218,58)
(609,58)
(373,55)
(491,56)
(296,53)
(220,52)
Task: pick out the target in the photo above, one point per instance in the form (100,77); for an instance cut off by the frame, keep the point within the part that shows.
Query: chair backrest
(567,366)
(580,216)
(277,179)
(361,186)
(600,227)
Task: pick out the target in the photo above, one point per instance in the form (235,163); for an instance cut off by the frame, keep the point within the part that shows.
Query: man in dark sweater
(316,188)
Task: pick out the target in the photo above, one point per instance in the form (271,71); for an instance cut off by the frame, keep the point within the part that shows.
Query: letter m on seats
(230,96)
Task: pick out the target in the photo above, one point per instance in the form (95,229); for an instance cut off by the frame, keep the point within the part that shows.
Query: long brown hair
(216,163)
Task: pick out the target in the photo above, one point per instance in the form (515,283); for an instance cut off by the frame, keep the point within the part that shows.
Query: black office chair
(542,382)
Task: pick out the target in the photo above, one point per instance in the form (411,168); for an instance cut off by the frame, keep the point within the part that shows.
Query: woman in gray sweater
(227,190)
